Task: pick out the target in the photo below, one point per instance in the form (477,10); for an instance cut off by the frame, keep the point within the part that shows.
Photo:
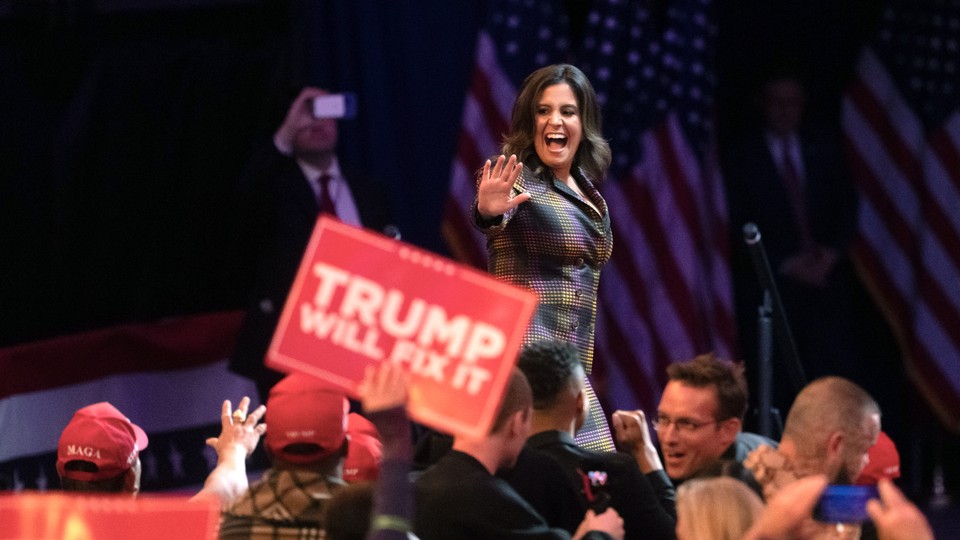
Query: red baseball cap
(100,434)
(363,458)
(305,410)
(357,423)
(365,451)
(884,462)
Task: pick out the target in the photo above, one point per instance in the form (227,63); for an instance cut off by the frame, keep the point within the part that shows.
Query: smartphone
(844,504)
(594,489)
(335,106)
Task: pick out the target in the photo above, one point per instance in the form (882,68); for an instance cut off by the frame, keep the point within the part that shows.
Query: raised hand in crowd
(895,517)
(789,510)
(383,394)
(632,435)
(239,434)
(299,116)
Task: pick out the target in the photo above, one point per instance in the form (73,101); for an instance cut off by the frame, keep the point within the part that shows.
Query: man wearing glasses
(699,420)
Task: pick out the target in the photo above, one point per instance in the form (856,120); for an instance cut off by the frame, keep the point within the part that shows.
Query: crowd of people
(527,477)
(553,464)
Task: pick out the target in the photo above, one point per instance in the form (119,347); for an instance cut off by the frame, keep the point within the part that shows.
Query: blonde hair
(719,508)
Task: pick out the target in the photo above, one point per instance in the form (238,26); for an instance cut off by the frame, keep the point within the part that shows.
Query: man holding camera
(829,430)
(287,185)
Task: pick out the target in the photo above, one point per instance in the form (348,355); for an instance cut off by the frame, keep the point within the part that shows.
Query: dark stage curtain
(124,127)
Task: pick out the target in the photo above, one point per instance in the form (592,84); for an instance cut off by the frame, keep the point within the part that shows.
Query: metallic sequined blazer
(554,244)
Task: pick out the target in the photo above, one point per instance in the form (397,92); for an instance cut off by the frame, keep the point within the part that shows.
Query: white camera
(335,106)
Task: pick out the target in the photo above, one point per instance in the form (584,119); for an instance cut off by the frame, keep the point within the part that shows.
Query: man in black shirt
(560,405)
(459,496)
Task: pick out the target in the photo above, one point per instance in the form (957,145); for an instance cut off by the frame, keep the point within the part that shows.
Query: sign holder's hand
(383,387)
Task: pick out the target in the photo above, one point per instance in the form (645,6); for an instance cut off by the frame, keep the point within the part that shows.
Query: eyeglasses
(683,425)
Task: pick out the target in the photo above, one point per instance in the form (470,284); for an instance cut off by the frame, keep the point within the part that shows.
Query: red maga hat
(101,435)
(303,410)
(365,450)
(884,462)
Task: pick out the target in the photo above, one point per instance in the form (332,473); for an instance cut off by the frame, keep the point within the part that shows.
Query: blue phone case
(844,504)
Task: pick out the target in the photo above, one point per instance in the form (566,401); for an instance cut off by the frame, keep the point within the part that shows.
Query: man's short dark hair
(549,366)
(707,370)
(516,397)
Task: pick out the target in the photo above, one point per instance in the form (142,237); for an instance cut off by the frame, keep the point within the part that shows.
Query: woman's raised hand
(494,195)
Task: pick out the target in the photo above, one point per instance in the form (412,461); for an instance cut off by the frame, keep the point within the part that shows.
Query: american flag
(901,119)
(666,294)
(169,377)
(519,37)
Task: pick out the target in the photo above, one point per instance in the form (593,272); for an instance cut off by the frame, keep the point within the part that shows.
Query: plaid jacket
(554,244)
(283,504)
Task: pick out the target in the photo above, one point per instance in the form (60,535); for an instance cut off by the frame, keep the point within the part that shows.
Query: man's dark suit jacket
(821,317)
(278,213)
(758,193)
(536,477)
(458,499)
(631,494)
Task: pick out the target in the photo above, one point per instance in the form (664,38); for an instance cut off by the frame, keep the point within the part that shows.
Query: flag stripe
(486,115)
(641,261)
(481,93)
(874,267)
(645,207)
(156,401)
(933,295)
(683,170)
(895,305)
(945,144)
(946,184)
(883,126)
(167,375)
(169,345)
(627,372)
(638,297)
(632,339)
(875,196)
(905,160)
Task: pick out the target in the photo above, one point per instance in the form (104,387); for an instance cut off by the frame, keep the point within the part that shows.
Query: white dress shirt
(338,187)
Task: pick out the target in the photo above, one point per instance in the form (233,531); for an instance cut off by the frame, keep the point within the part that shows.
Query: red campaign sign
(360,298)
(105,517)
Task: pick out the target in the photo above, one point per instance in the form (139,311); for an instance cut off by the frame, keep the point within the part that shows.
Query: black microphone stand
(771,315)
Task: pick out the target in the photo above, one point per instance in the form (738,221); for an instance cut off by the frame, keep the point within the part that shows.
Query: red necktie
(324,198)
(791,180)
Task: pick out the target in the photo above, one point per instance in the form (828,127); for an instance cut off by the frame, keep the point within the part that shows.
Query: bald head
(829,403)
(828,406)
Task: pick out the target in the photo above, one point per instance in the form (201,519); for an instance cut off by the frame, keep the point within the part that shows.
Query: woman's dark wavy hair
(593,155)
